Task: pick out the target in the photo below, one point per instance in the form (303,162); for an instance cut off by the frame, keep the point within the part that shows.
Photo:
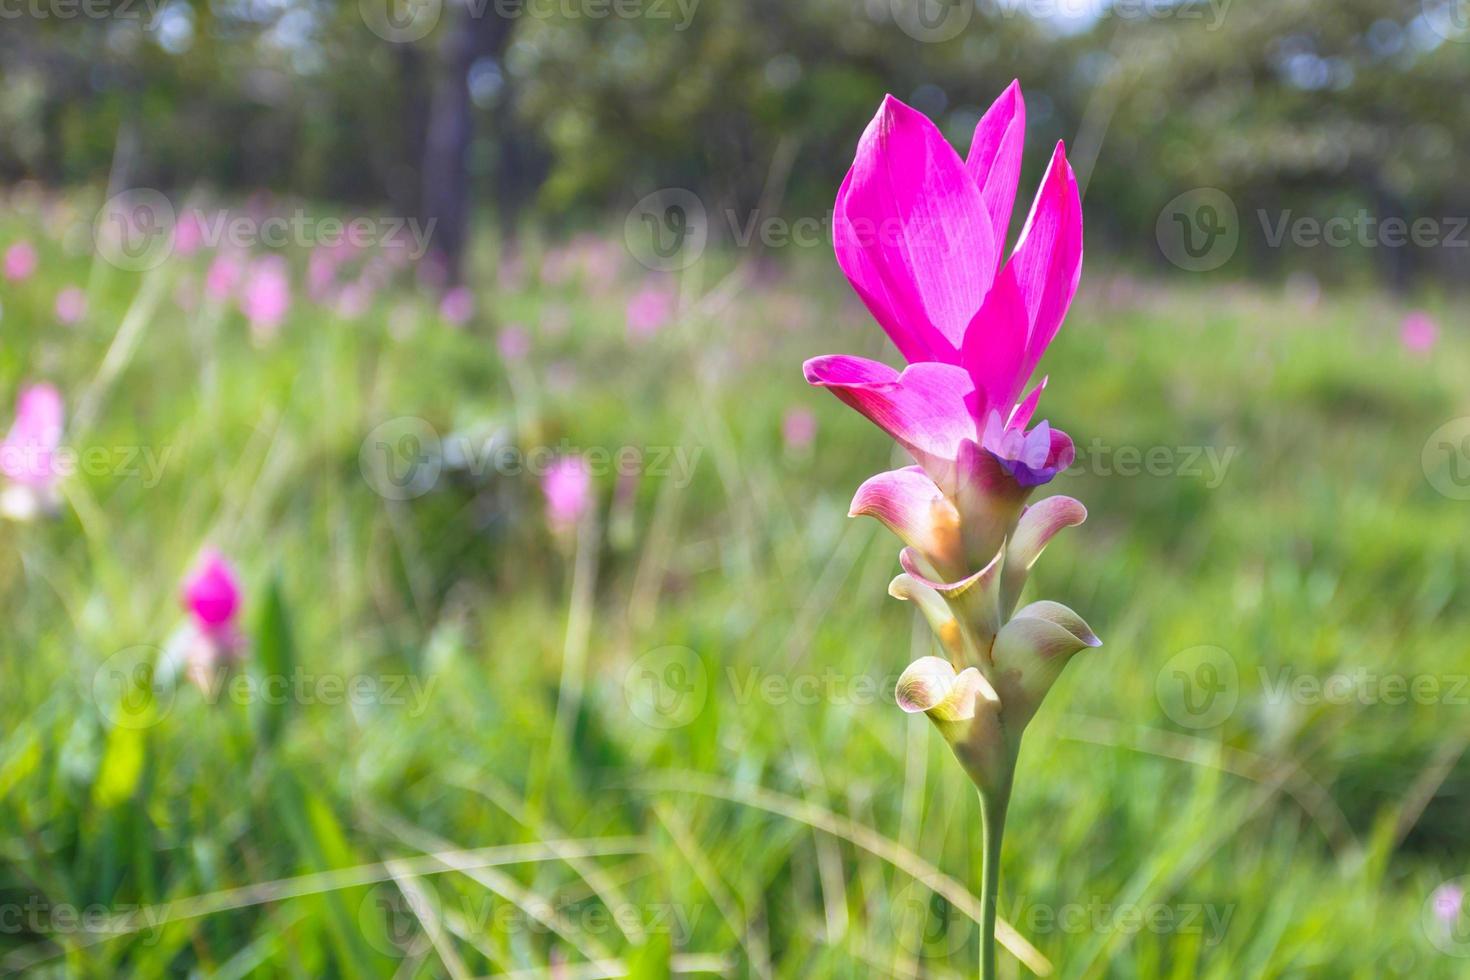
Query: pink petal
(994,350)
(995,159)
(912,507)
(28,453)
(923,409)
(1047,262)
(1021,415)
(912,234)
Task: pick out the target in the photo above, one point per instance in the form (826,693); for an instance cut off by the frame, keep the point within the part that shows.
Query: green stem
(993,804)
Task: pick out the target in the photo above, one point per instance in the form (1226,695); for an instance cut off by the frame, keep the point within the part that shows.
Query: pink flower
(321,274)
(212,593)
(189,233)
(28,456)
(71,305)
(457,306)
(513,343)
(267,295)
(798,430)
(20,261)
(212,596)
(354,299)
(920,234)
(567,485)
(649,311)
(1419,332)
(224,276)
(1448,901)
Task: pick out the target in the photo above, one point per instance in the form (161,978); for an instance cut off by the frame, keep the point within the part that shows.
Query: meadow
(663,741)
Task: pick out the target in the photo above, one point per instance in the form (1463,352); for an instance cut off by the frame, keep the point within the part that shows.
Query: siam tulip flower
(649,311)
(321,273)
(224,276)
(71,305)
(1418,332)
(28,456)
(920,233)
(20,261)
(354,299)
(798,430)
(212,597)
(513,343)
(266,297)
(189,233)
(567,485)
(457,307)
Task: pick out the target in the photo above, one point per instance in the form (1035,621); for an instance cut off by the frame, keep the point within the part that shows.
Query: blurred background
(467,336)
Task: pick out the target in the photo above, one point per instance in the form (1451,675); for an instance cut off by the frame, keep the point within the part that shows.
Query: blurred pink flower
(71,305)
(20,261)
(1418,332)
(457,306)
(649,311)
(28,454)
(556,266)
(354,299)
(599,259)
(188,233)
(212,592)
(514,344)
(224,276)
(212,596)
(1448,901)
(321,274)
(568,488)
(798,429)
(267,295)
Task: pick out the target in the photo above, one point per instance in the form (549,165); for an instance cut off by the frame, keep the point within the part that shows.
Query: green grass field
(474,747)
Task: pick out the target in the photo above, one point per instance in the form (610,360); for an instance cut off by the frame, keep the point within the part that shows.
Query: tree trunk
(476,31)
